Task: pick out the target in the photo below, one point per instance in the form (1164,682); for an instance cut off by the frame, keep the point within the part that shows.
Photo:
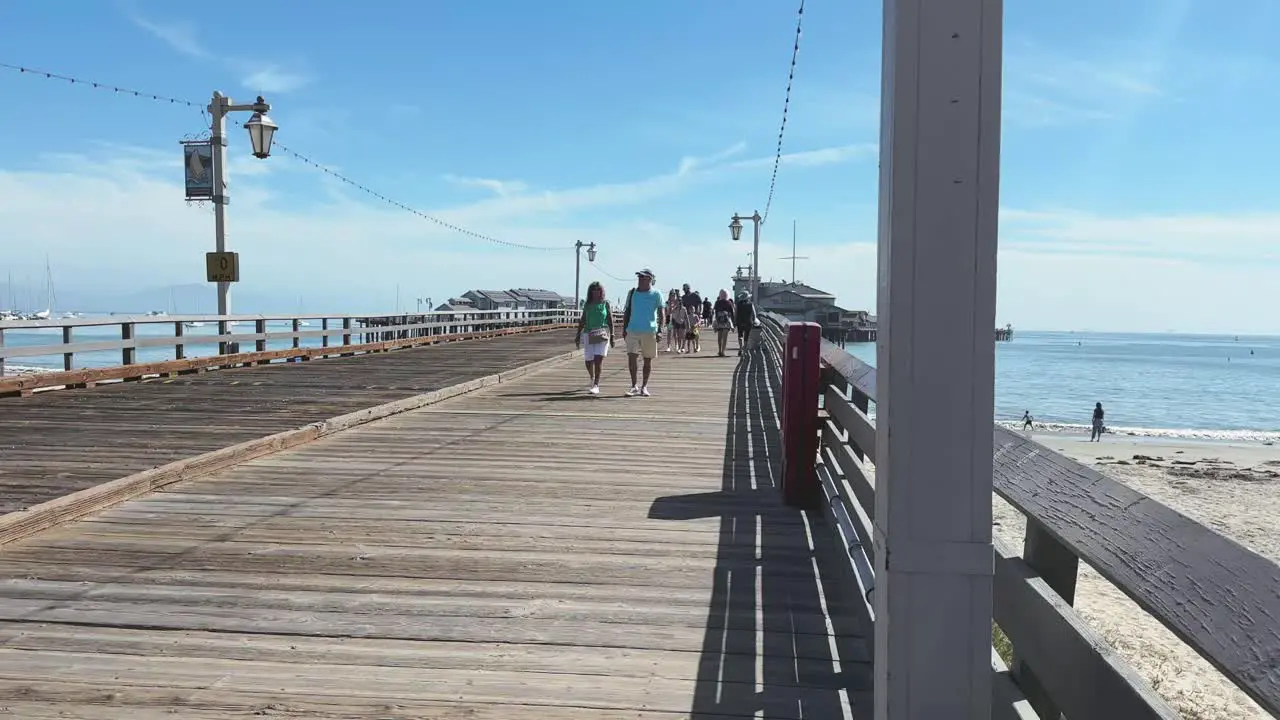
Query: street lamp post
(261,132)
(735,230)
(577,268)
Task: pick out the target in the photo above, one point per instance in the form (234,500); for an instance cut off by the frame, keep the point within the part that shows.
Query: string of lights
(397,204)
(786,105)
(286,150)
(100,86)
(607,274)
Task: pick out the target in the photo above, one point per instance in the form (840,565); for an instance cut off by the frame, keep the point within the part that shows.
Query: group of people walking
(646,316)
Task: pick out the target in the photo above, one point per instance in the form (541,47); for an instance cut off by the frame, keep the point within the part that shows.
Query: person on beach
(1026,420)
(722,321)
(641,319)
(595,333)
(1096,435)
(746,320)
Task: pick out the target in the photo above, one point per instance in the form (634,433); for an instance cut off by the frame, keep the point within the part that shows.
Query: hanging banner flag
(197,160)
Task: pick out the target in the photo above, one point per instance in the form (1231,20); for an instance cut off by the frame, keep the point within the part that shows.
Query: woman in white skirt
(595,333)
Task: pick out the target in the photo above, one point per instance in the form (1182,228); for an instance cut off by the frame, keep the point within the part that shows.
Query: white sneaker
(645,391)
(633,392)
(593,390)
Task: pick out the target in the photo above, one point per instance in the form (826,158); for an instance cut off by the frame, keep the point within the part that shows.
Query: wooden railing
(1215,595)
(180,335)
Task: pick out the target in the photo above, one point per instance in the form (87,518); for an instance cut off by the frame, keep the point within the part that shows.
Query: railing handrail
(53,323)
(1214,594)
(355,335)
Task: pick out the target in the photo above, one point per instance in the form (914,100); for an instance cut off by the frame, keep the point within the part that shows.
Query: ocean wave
(23,369)
(1263,436)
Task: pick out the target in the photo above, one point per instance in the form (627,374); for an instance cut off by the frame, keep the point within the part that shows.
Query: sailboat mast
(793,251)
(50,294)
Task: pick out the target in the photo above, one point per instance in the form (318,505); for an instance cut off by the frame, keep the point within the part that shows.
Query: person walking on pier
(595,333)
(675,336)
(722,320)
(746,320)
(678,319)
(641,319)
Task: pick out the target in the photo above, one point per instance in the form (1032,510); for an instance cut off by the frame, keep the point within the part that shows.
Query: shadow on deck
(778,643)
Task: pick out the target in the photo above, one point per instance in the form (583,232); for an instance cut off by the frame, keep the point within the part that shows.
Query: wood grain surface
(524,551)
(55,443)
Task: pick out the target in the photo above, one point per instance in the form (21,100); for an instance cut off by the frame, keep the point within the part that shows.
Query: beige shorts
(643,344)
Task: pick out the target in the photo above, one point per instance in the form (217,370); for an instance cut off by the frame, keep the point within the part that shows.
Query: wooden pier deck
(55,443)
(524,551)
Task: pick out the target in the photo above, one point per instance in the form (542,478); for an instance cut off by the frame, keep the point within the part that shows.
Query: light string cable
(606,273)
(786,105)
(34,72)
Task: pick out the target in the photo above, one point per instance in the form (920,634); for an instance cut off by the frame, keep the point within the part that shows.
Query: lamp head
(735,228)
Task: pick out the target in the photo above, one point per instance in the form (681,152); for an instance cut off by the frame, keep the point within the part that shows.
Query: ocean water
(195,340)
(1211,387)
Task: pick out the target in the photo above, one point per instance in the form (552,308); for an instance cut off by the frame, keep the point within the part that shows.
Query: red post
(801,384)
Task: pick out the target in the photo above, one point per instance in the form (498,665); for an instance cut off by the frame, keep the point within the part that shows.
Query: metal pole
(577,274)
(755,260)
(218,135)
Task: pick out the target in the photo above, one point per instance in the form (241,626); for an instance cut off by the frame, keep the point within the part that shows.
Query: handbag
(599,335)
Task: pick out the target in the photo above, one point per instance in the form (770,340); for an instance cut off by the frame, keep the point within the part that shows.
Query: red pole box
(801,385)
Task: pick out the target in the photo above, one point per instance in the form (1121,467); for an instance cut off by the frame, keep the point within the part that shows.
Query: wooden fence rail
(1220,598)
(337,335)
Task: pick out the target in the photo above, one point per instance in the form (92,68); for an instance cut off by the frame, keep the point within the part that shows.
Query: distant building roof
(497,296)
(801,289)
(537,295)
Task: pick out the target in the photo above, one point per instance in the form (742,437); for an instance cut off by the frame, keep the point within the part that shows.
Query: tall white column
(939,197)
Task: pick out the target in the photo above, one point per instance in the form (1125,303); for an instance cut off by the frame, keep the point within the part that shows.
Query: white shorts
(591,351)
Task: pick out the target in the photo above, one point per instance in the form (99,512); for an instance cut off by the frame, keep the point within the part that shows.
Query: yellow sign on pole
(222,266)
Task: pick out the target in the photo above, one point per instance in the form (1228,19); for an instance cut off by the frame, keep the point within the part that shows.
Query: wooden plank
(1084,676)
(541,581)
(57,443)
(858,428)
(35,519)
(1217,596)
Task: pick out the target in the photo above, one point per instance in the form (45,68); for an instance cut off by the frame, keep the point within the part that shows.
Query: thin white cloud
(255,75)
(816,158)
(501,188)
(1242,237)
(1059,268)
(273,79)
(637,192)
(690,164)
(1044,87)
(181,36)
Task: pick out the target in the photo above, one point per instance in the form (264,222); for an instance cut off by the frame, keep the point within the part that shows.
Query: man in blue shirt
(640,322)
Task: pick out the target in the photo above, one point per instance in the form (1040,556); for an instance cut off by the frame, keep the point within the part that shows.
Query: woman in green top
(595,333)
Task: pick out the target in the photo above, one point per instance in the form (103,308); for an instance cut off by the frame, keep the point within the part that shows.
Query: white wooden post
(939,195)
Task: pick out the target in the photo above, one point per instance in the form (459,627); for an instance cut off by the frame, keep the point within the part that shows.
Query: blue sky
(1139,178)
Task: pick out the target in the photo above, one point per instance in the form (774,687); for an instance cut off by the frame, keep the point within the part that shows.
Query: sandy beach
(1233,488)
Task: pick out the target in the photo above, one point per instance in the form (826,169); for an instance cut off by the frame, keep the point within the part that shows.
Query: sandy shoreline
(1232,487)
